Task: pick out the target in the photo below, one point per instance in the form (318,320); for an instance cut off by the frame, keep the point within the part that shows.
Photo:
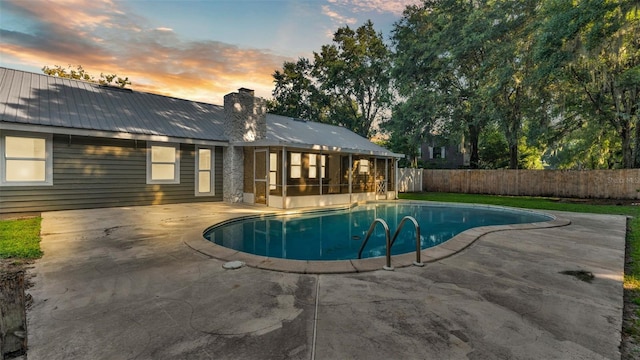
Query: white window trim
(313,166)
(48,138)
(212,171)
(176,169)
(297,165)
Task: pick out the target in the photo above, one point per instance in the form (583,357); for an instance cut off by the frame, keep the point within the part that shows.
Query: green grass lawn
(632,271)
(20,238)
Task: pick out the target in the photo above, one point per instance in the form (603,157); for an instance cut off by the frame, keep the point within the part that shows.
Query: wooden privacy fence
(409,180)
(604,184)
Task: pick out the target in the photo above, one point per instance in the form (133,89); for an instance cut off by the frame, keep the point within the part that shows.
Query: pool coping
(196,241)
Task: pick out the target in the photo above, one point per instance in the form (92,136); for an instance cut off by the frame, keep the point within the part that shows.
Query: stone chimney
(244,121)
(244,116)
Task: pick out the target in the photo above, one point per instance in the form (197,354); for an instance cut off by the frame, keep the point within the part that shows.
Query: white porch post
(350,178)
(284,177)
(321,174)
(395,175)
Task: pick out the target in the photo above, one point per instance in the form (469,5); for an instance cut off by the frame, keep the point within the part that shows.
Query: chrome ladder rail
(388,238)
(418,261)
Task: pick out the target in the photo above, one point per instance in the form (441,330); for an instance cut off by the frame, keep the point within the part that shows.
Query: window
(295,169)
(163,164)
(363,166)
(313,166)
(436,152)
(26,159)
(205,161)
(323,165)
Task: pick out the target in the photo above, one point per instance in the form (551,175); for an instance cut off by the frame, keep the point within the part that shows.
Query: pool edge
(196,241)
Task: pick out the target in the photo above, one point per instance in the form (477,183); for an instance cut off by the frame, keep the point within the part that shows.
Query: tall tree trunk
(627,150)
(474,136)
(513,156)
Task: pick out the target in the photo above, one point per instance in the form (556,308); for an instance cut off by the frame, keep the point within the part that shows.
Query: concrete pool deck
(125,283)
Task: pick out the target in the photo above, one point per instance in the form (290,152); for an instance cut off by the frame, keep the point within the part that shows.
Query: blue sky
(193,49)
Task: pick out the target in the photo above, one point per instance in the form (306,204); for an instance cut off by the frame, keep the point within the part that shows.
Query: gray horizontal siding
(97,172)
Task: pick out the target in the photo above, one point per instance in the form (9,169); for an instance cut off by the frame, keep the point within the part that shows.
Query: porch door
(260,174)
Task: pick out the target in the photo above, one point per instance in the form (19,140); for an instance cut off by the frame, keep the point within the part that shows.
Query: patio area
(125,283)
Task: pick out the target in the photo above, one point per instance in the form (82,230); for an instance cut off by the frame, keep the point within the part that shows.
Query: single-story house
(68,144)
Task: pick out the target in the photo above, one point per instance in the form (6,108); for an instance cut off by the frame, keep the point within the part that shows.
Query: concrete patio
(122,283)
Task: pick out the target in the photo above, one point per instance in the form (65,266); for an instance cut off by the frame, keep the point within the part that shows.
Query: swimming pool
(338,234)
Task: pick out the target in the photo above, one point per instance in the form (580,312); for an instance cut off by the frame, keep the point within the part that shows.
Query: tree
(80,74)
(493,148)
(591,48)
(509,89)
(295,93)
(355,72)
(440,51)
(347,84)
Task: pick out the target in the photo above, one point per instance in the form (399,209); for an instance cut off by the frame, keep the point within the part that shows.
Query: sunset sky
(192,49)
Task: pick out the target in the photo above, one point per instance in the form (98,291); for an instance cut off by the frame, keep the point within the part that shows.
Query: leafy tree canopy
(347,83)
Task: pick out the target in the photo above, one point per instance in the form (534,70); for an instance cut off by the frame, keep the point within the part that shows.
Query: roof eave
(106,134)
(316,147)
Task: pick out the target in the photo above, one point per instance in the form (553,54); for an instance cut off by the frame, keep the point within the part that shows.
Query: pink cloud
(326,10)
(102,37)
(381,6)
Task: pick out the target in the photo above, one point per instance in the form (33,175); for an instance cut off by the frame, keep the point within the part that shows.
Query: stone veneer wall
(244,121)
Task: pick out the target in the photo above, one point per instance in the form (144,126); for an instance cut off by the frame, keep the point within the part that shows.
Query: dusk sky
(192,49)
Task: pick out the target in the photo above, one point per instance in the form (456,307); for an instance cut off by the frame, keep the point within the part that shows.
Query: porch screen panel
(363,171)
(303,174)
(392,175)
(261,177)
(275,179)
(381,175)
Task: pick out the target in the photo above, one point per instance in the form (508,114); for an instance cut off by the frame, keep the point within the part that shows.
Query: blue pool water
(338,234)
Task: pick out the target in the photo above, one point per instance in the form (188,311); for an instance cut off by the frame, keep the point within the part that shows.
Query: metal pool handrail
(418,261)
(388,238)
(390,241)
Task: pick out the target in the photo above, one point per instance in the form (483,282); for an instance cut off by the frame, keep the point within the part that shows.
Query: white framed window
(313,166)
(295,168)
(323,165)
(27,159)
(205,175)
(363,167)
(163,163)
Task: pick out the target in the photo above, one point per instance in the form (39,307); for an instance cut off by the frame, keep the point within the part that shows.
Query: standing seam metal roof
(37,99)
(289,131)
